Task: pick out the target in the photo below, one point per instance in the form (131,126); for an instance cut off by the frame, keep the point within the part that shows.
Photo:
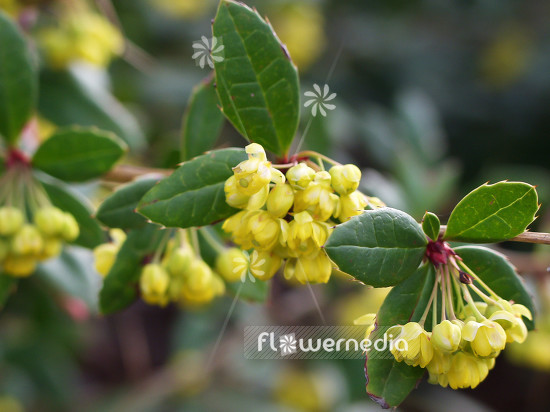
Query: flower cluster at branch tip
(80,35)
(287,217)
(470,326)
(23,244)
(176,272)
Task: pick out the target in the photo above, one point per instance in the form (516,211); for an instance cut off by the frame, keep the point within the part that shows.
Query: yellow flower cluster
(23,244)
(82,35)
(179,276)
(287,217)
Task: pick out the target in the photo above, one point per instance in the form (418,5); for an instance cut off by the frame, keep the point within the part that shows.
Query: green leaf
(431,225)
(119,209)
(493,213)
(119,286)
(499,274)
(193,195)
(78,154)
(202,122)
(65,101)
(68,200)
(7,286)
(18,83)
(389,382)
(73,273)
(379,248)
(256,81)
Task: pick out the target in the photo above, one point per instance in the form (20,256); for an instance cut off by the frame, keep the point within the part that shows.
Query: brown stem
(127,173)
(525,237)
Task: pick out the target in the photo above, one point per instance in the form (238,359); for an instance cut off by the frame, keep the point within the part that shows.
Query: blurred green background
(433,99)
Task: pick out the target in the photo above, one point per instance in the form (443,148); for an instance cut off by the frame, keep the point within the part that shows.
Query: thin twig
(525,237)
(127,173)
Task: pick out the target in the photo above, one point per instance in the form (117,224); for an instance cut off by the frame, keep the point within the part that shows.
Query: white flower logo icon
(319,100)
(241,267)
(207,52)
(287,343)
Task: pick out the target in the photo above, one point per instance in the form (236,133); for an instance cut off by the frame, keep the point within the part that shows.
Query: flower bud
(153,282)
(50,221)
(104,257)
(202,285)
(232,264)
(318,198)
(70,229)
(19,266)
(300,176)
(486,339)
(345,179)
(27,241)
(265,230)
(263,265)
(446,336)
(52,247)
(179,261)
(280,200)
(11,220)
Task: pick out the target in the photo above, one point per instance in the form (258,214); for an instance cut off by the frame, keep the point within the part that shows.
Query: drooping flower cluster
(176,272)
(24,242)
(466,335)
(287,217)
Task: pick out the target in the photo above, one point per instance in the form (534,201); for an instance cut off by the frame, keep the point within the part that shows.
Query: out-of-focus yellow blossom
(11,220)
(297,389)
(300,26)
(105,254)
(232,264)
(308,269)
(187,9)
(153,283)
(82,35)
(201,285)
(10,404)
(10,7)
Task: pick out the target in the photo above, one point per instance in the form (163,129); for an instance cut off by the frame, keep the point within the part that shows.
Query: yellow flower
(191,9)
(263,265)
(70,230)
(467,371)
(280,200)
(266,231)
(513,325)
(345,179)
(368,320)
(446,336)
(309,270)
(50,221)
(237,226)
(300,176)
(153,282)
(19,266)
(27,241)
(439,365)
(318,198)
(411,343)
(350,205)
(254,174)
(232,264)
(306,236)
(11,220)
(486,339)
(104,257)
(52,247)
(235,198)
(178,260)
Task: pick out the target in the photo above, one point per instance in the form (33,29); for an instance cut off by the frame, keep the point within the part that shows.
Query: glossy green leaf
(119,286)
(78,154)
(7,286)
(257,83)
(379,248)
(18,83)
(66,101)
(389,382)
(193,195)
(202,122)
(493,213)
(431,225)
(499,274)
(68,200)
(73,273)
(119,209)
